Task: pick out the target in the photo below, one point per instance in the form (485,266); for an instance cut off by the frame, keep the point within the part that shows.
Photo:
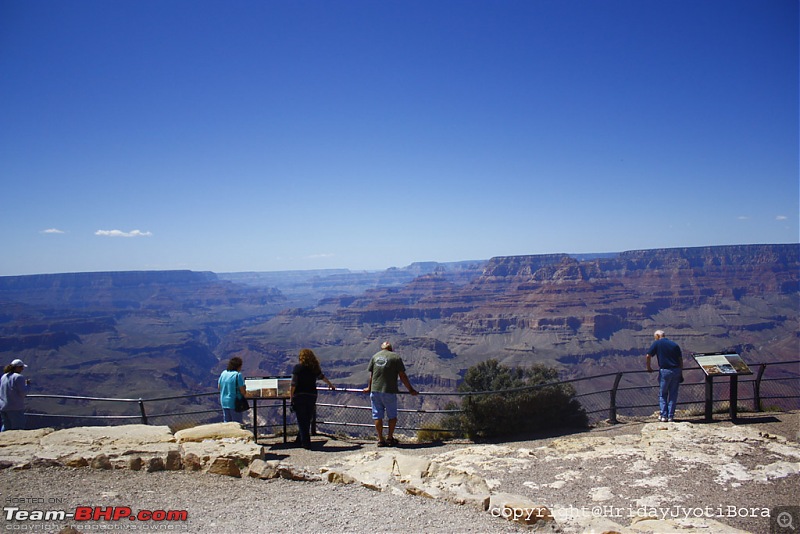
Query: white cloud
(319,256)
(52,231)
(120,233)
(781,218)
(743,218)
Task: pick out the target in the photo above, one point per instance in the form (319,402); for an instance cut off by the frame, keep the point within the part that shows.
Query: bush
(509,413)
(434,432)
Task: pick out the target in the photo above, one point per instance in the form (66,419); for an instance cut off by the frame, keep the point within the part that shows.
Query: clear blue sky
(270,135)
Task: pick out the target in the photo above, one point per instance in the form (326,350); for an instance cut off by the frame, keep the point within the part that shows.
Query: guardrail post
(144,414)
(612,407)
(757,389)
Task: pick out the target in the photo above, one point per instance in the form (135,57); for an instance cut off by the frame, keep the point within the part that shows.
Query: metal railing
(773,386)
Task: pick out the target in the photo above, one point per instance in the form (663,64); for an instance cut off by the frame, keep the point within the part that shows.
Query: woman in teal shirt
(230,383)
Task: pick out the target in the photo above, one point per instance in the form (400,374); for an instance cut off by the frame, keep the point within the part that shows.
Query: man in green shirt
(385,368)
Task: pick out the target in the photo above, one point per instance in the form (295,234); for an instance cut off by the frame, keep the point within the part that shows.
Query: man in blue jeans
(670,373)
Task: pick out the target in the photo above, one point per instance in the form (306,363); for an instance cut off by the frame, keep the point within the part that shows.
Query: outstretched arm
(407,383)
(330,384)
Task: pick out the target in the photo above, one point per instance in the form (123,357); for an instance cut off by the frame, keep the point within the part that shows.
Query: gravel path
(218,504)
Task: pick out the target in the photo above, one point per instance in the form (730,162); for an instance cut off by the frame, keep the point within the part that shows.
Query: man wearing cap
(13,390)
(385,368)
(670,373)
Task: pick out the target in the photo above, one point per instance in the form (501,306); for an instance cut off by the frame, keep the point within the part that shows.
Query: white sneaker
(662,419)
(670,420)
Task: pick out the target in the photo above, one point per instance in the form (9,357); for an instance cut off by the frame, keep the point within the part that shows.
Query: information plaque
(715,364)
(722,363)
(267,387)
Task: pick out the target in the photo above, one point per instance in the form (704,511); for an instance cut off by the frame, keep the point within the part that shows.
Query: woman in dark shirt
(303,392)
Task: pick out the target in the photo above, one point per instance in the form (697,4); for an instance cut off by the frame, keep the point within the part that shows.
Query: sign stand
(255,418)
(267,387)
(722,364)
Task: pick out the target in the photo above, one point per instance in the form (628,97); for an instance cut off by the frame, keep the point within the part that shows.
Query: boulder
(291,472)
(206,451)
(135,463)
(101,461)
(214,431)
(76,460)
(264,470)
(192,462)
(155,464)
(336,477)
(224,466)
(173,461)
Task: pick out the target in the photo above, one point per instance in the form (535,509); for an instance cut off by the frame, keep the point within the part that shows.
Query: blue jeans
(668,382)
(229,415)
(13,419)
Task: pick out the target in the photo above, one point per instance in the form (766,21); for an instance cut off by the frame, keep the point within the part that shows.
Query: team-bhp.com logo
(95,513)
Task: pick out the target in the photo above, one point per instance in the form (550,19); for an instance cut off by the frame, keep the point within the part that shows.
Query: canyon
(156,333)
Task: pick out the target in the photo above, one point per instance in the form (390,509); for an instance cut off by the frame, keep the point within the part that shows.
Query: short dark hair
(235,364)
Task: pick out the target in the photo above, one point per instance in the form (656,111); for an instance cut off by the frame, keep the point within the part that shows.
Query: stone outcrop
(651,462)
(222,448)
(402,473)
(430,478)
(642,474)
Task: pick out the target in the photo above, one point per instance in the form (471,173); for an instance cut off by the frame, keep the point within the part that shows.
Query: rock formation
(154,334)
(560,310)
(659,477)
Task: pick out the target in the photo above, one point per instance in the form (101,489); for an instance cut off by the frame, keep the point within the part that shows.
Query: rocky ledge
(222,448)
(625,478)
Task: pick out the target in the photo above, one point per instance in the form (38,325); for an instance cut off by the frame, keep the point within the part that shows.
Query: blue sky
(271,135)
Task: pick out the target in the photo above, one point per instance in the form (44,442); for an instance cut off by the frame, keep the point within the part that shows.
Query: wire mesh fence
(348,411)
(771,387)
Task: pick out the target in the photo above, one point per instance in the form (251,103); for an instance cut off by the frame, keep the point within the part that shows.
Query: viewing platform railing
(772,386)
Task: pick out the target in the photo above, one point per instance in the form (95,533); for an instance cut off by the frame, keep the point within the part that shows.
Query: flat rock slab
(645,470)
(214,431)
(135,447)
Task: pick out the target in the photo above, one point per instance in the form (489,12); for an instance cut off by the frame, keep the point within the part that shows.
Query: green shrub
(434,432)
(510,413)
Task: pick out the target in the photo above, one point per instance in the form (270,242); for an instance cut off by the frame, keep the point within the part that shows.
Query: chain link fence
(347,412)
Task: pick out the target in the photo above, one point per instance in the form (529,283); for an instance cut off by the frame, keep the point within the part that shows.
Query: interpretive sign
(716,364)
(722,363)
(267,387)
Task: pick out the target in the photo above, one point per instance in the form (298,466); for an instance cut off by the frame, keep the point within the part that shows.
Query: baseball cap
(18,363)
